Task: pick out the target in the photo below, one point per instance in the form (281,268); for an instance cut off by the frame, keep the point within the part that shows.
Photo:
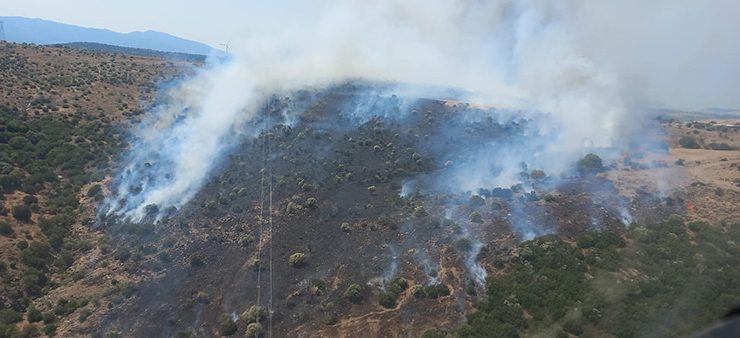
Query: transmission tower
(2,31)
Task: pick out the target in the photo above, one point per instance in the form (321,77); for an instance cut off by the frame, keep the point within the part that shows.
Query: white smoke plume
(533,55)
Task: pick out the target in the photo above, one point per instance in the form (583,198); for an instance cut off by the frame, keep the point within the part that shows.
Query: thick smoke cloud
(536,56)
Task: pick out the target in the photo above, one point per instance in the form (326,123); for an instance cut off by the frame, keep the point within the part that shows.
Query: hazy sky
(213,22)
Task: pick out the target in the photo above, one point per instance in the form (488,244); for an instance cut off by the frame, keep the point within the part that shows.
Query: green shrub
(84,313)
(590,162)
(353,293)
(8,316)
(21,212)
(297,260)
(312,203)
(434,333)
(418,291)
(689,142)
(476,201)
(6,229)
(94,190)
(227,327)
(253,330)
(34,315)
(720,146)
(246,239)
(437,290)
(122,254)
(387,300)
(398,285)
(254,314)
(50,329)
(30,199)
(420,211)
(9,183)
(537,174)
(196,260)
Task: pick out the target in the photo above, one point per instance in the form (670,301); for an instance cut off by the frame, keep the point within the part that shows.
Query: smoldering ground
(542,98)
(509,54)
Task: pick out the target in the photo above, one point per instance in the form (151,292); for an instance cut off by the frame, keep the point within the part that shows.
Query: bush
(590,162)
(437,290)
(387,300)
(94,190)
(420,211)
(8,316)
(312,203)
(720,146)
(122,254)
(227,327)
(503,193)
(418,291)
(537,174)
(688,142)
(253,330)
(22,212)
(434,333)
(6,229)
(476,201)
(246,239)
(34,315)
(9,183)
(398,285)
(297,260)
(254,314)
(196,260)
(354,293)
(30,199)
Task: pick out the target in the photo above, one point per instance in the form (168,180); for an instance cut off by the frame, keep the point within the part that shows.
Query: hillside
(313,214)
(45,32)
(99,47)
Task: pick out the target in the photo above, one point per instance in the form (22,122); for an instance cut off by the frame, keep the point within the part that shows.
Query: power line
(262,213)
(269,152)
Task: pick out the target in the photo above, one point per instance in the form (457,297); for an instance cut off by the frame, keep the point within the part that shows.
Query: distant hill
(101,47)
(45,32)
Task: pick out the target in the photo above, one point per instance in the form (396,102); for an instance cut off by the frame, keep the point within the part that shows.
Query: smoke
(540,57)
(177,148)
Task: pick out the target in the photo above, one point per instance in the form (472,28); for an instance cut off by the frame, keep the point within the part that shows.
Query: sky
(214,22)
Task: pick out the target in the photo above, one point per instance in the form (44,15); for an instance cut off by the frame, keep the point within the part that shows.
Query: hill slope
(357,253)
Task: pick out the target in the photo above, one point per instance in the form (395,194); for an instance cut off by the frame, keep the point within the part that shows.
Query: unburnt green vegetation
(53,158)
(657,280)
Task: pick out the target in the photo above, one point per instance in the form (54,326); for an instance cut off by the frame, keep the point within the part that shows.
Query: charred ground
(337,199)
